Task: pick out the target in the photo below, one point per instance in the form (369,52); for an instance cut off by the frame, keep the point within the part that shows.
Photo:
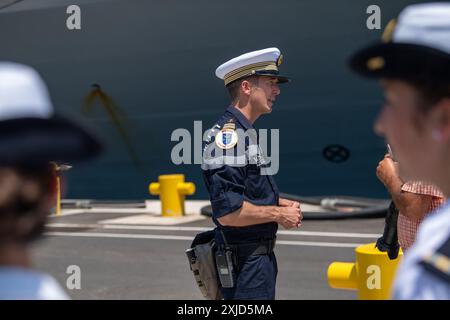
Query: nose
(276,89)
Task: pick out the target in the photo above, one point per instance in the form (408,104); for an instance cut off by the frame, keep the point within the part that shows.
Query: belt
(253,249)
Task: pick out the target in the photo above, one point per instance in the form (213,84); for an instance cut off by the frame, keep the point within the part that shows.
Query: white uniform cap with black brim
(417,46)
(30,131)
(263,62)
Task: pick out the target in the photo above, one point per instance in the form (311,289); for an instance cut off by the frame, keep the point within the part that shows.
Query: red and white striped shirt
(406,227)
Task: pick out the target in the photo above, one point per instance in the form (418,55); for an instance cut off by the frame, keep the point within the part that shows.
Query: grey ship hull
(156,61)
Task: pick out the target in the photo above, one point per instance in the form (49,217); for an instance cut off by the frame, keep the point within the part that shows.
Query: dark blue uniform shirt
(229,185)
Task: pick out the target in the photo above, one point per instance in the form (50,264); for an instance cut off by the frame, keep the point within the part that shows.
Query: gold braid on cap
(249,70)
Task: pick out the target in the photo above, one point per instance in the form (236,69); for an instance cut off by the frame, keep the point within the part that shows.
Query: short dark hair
(234,87)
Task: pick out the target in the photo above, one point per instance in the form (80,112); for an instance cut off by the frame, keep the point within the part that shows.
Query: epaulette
(438,262)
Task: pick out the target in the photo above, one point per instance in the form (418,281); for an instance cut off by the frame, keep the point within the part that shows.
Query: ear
(246,87)
(441,119)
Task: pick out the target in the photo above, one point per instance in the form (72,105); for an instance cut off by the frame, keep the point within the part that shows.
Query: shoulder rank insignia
(227,137)
(229,125)
(438,263)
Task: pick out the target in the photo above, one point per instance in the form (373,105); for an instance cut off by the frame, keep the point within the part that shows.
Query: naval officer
(413,64)
(244,196)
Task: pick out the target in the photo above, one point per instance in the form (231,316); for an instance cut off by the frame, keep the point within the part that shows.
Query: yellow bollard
(58,194)
(372,274)
(58,172)
(172,190)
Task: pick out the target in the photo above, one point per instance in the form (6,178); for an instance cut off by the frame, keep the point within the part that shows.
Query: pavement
(137,254)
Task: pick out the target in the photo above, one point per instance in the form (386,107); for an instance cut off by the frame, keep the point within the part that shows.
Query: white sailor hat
(263,62)
(416,46)
(30,131)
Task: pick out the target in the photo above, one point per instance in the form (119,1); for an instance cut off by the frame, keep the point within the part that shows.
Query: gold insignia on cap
(375,63)
(389,30)
(280,60)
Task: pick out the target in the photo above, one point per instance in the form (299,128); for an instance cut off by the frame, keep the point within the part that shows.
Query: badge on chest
(227,138)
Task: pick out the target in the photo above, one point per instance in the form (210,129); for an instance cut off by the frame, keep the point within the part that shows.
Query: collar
(240,117)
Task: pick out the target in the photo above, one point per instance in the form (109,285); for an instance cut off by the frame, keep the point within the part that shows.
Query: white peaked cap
(260,62)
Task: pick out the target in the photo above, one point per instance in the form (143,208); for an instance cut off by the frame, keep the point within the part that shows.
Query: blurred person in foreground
(413,64)
(31,136)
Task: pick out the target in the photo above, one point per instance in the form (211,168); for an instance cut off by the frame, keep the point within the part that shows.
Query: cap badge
(389,31)
(375,63)
(280,60)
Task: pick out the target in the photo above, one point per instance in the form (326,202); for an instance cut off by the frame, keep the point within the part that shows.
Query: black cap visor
(273,74)
(401,60)
(34,141)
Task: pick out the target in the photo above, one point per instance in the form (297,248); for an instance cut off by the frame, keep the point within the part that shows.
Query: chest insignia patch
(226,138)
